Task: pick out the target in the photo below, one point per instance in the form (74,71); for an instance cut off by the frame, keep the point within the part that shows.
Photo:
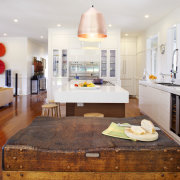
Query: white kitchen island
(109,100)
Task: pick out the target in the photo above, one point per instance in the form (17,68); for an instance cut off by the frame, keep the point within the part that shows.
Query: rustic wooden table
(74,148)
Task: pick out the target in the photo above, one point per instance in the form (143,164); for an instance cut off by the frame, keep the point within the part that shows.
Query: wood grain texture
(25,108)
(109,161)
(32,175)
(51,144)
(108,109)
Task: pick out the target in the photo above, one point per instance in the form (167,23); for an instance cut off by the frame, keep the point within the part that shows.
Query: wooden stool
(51,101)
(50,110)
(58,104)
(94,115)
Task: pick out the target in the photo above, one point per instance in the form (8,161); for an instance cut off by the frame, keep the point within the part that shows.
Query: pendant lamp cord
(92,3)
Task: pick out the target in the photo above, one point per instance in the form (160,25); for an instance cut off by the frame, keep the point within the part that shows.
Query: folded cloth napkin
(116,131)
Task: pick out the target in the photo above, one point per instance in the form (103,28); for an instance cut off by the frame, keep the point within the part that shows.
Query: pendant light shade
(92,26)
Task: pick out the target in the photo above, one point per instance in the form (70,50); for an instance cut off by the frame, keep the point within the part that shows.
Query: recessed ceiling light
(15,20)
(4,34)
(58,25)
(146,16)
(41,37)
(110,25)
(126,34)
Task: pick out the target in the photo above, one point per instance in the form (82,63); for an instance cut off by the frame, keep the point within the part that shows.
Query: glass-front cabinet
(108,63)
(66,66)
(103,63)
(56,62)
(60,63)
(64,63)
(112,63)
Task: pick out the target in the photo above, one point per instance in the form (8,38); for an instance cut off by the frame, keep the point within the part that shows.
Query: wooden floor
(25,108)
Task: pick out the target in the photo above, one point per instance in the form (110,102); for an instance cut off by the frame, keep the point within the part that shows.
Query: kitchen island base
(34,175)
(108,109)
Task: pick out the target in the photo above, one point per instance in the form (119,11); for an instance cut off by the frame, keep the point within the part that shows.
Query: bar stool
(58,104)
(50,110)
(94,115)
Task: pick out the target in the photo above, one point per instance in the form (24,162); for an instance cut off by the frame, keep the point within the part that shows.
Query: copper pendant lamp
(92,26)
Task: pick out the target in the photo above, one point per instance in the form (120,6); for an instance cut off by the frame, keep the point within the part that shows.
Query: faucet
(174,71)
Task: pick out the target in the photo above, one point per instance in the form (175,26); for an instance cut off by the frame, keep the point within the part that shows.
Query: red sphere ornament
(2,50)
(2,67)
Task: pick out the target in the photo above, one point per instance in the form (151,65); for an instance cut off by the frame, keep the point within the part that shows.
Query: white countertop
(64,93)
(170,89)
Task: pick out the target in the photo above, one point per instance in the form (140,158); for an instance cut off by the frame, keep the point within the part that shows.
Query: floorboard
(25,108)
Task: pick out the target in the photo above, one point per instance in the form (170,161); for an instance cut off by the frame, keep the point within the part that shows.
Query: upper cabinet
(64,63)
(108,63)
(60,63)
(128,46)
(56,66)
(103,63)
(112,63)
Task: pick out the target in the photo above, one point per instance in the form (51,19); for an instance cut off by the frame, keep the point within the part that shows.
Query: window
(172,46)
(152,55)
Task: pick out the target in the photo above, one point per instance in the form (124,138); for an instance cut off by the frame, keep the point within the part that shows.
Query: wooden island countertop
(76,145)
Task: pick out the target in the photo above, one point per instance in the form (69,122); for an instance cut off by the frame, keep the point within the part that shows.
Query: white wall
(18,57)
(161,28)
(15,59)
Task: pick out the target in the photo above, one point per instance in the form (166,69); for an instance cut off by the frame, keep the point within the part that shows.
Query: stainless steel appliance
(83,70)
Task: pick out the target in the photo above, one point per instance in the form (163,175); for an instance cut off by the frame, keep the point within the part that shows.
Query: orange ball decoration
(2,50)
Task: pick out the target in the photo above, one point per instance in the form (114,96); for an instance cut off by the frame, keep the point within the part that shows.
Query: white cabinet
(128,73)
(128,64)
(60,63)
(143,99)
(104,61)
(109,63)
(140,66)
(155,104)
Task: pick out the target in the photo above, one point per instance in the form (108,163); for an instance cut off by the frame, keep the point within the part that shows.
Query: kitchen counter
(159,103)
(109,100)
(170,89)
(66,93)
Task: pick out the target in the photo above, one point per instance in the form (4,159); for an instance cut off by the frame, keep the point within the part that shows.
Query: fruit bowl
(85,85)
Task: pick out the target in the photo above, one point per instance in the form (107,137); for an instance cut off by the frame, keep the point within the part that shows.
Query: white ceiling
(36,16)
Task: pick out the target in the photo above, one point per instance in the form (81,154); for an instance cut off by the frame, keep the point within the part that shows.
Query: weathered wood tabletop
(74,134)
(50,144)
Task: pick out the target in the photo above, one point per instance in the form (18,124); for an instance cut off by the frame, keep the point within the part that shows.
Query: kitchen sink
(169,84)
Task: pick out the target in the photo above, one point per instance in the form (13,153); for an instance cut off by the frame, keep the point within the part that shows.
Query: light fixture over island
(92,26)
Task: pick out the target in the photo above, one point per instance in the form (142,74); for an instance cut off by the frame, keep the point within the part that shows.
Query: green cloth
(116,131)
